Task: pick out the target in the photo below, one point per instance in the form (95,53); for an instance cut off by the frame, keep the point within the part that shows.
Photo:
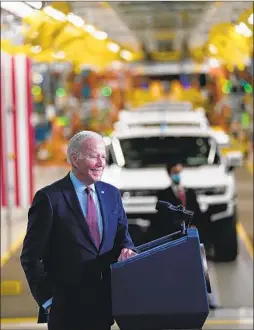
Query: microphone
(181,216)
(162,205)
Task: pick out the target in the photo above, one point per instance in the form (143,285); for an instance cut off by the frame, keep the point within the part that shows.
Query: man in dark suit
(175,194)
(76,228)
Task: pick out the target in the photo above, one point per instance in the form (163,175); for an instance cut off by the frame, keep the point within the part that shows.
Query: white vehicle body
(164,105)
(222,138)
(180,117)
(157,119)
(214,184)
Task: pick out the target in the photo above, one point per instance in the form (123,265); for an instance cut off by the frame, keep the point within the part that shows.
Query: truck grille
(217,208)
(211,191)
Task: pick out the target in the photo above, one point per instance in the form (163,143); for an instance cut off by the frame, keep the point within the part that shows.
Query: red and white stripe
(16,131)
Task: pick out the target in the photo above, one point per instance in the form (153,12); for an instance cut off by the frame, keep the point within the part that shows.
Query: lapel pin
(102,191)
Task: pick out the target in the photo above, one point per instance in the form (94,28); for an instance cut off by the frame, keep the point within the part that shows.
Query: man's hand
(126,254)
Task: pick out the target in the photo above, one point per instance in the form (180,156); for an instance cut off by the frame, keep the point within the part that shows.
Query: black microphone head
(161,205)
(179,213)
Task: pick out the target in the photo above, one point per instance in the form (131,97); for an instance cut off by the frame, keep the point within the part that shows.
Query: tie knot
(88,190)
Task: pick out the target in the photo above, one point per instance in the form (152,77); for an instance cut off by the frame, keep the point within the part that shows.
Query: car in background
(137,166)
(161,119)
(173,114)
(164,106)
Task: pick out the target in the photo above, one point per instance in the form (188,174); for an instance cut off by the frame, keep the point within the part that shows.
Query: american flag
(16,131)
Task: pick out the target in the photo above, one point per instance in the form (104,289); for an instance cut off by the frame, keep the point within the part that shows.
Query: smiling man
(76,228)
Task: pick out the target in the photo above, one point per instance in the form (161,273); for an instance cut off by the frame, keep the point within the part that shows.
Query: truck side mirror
(233,159)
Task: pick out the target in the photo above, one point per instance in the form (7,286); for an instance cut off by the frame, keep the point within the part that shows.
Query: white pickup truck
(137,160)
(171,117)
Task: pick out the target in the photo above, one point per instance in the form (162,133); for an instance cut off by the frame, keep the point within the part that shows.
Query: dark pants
(82,307)
(86,328)
(83,328)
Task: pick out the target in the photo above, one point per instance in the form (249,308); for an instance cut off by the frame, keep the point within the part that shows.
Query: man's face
(175,173)
(177,169)
(91,161)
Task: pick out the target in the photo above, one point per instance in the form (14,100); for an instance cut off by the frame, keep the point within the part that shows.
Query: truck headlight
(126,194)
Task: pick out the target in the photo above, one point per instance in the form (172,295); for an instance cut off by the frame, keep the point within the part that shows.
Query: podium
(163,286)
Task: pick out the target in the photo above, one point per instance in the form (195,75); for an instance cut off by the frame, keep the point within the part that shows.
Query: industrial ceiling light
(35,4)
(100,35)
(54,13)
(113,47)
(214,63)
(126,55)
(213,50)
(75,20)
(243,29)
(19,9)
(59,55)
(250,19)
(36,49)
(89,28)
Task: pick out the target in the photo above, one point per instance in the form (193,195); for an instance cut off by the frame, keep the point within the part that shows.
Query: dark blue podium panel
(163,287)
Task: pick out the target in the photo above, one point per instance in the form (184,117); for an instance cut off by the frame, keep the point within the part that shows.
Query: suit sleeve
(40,219)
(123,239)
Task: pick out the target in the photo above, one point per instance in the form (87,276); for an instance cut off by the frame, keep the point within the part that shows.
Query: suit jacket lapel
(173,195)
(73,202)
(177,199)
(100,193)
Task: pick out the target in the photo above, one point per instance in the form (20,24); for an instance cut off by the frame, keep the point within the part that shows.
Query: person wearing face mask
(76,228)
(177,194)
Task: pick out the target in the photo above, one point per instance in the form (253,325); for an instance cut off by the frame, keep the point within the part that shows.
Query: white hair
(75,143)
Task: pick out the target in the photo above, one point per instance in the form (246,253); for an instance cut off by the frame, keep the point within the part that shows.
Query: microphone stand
(180,213)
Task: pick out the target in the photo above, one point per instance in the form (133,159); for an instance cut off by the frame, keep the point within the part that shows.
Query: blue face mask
(176,178)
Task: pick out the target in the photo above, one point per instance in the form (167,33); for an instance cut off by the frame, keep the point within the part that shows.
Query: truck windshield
(158,151)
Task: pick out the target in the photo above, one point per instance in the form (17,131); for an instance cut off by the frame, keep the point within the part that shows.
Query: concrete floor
(245,199)
(229,319)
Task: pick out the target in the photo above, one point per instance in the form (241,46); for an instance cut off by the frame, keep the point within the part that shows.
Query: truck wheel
(225,240)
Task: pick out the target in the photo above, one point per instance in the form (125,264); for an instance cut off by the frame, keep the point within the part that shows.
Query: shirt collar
(176,187)
(79,185)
